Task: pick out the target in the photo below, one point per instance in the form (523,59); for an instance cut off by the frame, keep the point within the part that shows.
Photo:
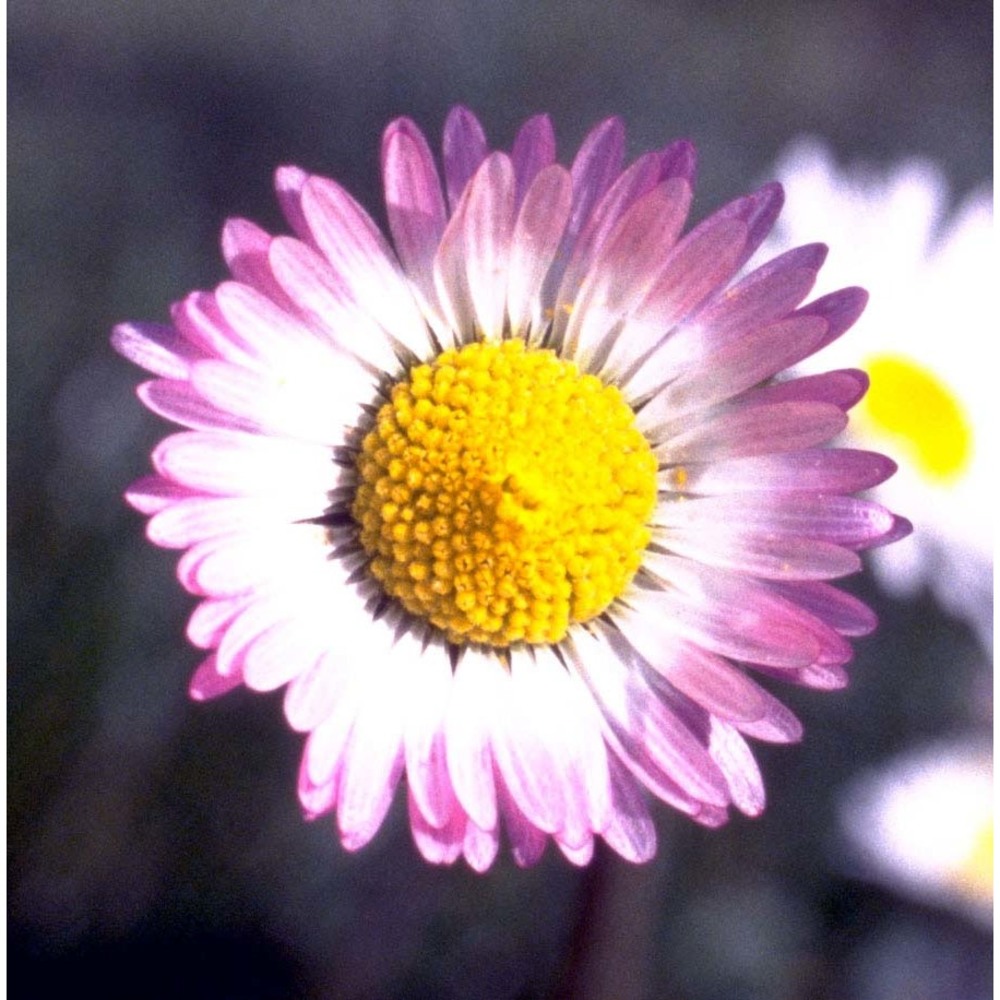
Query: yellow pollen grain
(504,495)
(912,405)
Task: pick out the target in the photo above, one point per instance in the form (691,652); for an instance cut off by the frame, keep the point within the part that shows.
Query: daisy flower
(920,340)
(923,824)
(513,505)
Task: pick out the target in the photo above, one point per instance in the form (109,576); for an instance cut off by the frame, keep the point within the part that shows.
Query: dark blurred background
(156,847)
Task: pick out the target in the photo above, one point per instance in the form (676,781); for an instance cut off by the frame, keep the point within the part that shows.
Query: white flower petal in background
(926,339)
(923,825)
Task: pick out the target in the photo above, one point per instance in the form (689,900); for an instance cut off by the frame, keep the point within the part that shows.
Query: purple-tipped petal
(534,149)
(679,159)
(840,310)
(157,348)
(843,389)
(841,470)
(414,203)
(464,148)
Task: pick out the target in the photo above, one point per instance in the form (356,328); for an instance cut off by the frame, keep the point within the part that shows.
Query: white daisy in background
(512,505)
(923,824)
(926,341)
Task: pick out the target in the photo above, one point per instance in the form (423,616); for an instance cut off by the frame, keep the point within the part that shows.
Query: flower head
(920,340)
(515,505)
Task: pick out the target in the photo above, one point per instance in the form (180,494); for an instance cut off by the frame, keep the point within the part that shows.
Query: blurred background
(155,846)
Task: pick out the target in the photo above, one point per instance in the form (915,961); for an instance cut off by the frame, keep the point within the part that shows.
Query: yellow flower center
(503,495)
(913,406)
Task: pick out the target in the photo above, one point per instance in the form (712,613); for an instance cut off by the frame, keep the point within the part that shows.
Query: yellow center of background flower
(919,411)
(503,495)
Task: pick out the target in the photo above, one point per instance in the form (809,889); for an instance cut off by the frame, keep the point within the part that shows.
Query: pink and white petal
(414,204)
(758,211)
(158,348)
(288,184)
(534,149)
(488,228)
(477,679)
(839,310)
(764,619)
(527,842)
(736,761)
(843,520)
(624,268)
(738,431)
(363,347)
(236,464)
(575,258)
(843,388)
(649,734)
(373,760)
(245,247)
(191,521)
(275,337)
(577,748)
(778,724)
(363,261)
(702,261)
(522,750)
(199,319)
(842,612)
(183,404)
(325,748)
(727,614)
(440,845)
(818,676)
(315,799)
(283,652)
(480,847)
(464,148)
(151,494)
(761,298)
(576,854)
(310,404)
(233,564)
(429,685)
(630,832)
(455,324)
(733,368)
(537,234)
(208,683)
(813,470)
(760,555)
(211,619)
(595,168)
(709,680)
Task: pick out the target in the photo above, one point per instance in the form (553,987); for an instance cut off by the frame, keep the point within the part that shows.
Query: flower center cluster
(503,495)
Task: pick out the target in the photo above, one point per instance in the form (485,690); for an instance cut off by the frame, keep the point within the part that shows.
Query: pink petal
(623,270)
(288,184)
(183,404)
(415,206)
(488,227)
(738,431)
(157,348)
(537,234)
(842,388)
(464,148)
(207,683)
(730,751)
(211,619)
(429,690)
(837,470)
(480,846)
(534,149)
(153,493)
(630,831)
(440,845)
(467,748)
(362,259)
(245,247)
